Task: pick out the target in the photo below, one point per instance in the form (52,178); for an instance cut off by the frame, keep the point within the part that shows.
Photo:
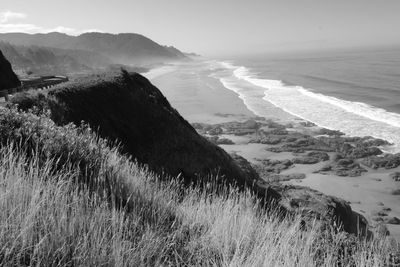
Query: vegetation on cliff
(128,109)
(69,198)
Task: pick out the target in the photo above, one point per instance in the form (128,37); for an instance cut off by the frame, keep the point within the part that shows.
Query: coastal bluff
(126,108)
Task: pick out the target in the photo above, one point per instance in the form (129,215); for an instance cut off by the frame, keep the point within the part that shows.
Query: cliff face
(128,108)
(8,79)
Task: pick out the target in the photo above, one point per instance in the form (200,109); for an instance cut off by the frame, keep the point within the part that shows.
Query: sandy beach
(198,97)
(202,98)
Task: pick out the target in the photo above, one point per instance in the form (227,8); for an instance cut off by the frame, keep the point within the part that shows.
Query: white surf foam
(359,108)
(232,86)
(352,118)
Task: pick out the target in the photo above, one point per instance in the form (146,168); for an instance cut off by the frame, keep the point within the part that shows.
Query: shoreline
(325,110)
(207,104)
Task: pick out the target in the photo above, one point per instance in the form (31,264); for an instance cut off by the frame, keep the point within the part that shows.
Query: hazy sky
(213,27)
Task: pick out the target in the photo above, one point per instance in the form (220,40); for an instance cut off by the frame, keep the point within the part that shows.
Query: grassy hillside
(69,199)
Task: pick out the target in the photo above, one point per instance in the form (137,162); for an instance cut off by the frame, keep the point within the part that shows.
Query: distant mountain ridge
(123,48)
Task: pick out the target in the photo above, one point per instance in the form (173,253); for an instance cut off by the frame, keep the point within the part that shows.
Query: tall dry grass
(51,215)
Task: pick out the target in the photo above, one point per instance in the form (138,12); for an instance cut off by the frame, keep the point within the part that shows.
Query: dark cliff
(128,108)
(8,79)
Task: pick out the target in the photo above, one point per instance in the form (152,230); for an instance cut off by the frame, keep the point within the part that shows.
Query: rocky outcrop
(395,176)
(300,143)
(391,220)
(236,128)
(327,209)
(354,147)
(307,124)
(311,148)
(8,79)
(268,139)
(388,161)
(329,132)
(343,167)
(283,140)
(312,158)
(270,170)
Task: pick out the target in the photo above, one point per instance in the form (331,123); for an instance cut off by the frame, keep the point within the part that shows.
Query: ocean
(356,92)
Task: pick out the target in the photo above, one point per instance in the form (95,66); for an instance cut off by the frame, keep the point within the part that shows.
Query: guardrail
(39,83)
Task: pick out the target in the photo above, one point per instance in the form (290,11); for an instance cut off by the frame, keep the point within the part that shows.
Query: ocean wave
(344,83)
(359,108)
(352,118)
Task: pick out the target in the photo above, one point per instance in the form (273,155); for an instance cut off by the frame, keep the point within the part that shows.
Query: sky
(217,27)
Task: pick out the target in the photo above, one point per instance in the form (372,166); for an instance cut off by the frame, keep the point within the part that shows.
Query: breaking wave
(352,118)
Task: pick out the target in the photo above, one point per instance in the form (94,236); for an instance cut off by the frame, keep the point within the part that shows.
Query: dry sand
(159,71)
(198,97)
